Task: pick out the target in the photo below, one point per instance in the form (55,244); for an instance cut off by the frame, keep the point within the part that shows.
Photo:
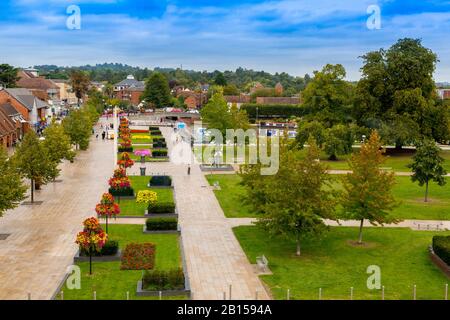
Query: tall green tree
(78,126)
(338,141)
(296,199)
(308,129)
(427,165)
(33,161)
(12,189)
(8,76)
(157,91)
(368,189)
(328,97)
(396,94)
(80,82)
(239,118)
(216,115)
(58,145)
(220,80)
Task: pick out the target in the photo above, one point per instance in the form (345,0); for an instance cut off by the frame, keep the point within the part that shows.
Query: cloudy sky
(295,36)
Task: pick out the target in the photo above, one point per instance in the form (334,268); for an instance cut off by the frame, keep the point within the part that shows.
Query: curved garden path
(35,257)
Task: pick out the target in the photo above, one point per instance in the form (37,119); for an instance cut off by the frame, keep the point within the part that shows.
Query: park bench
(262,263)
(429,226)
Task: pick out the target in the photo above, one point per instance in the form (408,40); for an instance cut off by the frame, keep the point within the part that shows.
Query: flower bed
(138,131)
(138,256)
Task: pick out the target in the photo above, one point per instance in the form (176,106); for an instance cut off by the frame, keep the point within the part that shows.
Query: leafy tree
(220,80)
(307,129)
(80,83)
(78,127)
(239,118)
(215,114)
(328,97)
(58,145)
(368,189)
(296,199)
(397,90)
(157,91)
(8,76)
(338,141)
(12,189)
(427,165)
(231,90)
(33,161)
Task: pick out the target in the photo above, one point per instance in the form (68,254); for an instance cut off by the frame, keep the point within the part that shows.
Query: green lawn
(230,195)
(335,265)
(393,162)
(129,207)
(409,194)
(109,281)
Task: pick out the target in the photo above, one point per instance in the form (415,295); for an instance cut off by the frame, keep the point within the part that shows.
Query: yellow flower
(141,137)
(146,196)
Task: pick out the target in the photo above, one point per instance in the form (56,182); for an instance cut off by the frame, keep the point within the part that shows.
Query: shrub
(164,224)
(161,207)
(159,139)
(159,144)
(159,153)
(273,111)
(160,181)
(138,256)
(156,280)
(125,149)
(109,249)
(124,192)
(441,246)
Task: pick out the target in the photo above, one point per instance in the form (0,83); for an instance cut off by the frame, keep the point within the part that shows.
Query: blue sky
(295,36)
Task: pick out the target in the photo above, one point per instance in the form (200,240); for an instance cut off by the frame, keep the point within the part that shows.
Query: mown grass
(129,207)
(409,195)
(111,283)
(335,264)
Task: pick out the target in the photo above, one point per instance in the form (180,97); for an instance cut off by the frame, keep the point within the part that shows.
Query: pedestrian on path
(189,169)
(103,135)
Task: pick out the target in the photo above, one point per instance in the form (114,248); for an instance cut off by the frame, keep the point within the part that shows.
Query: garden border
(116,257)
(438,262)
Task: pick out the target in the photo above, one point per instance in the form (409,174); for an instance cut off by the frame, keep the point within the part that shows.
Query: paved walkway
(213,255)
(34,258)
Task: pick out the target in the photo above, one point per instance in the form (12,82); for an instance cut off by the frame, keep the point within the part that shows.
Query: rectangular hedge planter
(178,231)
(140,292)
(79,258)
(222,168)
(160,184)
(160,215)
(439,262)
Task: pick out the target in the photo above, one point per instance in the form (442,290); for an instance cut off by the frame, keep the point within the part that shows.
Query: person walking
(189,170)
(103,135)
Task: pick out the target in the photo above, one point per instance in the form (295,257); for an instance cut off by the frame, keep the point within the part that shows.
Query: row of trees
(37,160)
(296,201)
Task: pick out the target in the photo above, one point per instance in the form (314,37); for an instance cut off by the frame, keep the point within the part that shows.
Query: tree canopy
(12,189)
(157,91)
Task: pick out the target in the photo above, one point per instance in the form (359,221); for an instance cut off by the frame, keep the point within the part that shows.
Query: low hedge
(159,153)
(159,144)
(160,181)
(110,248)
(157,280)
(127,149)
(159,139)
(159,224)
(441,246)
(161,207)
(273,110)
(127,192)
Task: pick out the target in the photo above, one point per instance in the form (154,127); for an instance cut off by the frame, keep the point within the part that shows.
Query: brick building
(129,90)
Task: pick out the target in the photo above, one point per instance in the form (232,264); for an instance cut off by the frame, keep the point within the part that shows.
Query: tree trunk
(360,231)
(32,191)
(426,191)
(90,260)
(298,247)
(333,157)
(398,146)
